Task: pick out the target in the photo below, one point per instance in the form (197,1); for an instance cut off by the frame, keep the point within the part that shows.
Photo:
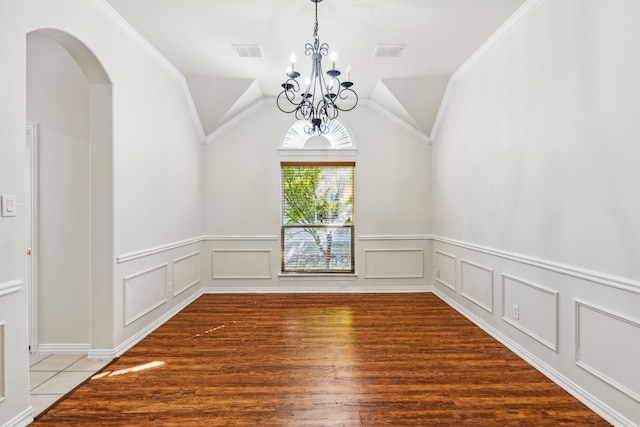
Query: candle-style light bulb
(348,71)
(293,61)
(334,56)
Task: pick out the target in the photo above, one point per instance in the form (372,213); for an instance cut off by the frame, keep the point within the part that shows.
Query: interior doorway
(70,200)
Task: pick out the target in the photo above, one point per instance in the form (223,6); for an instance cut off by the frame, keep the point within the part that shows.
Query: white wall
(549,169)
(13,297)
(153,190)
(58,101)
(392,206)
(535,198)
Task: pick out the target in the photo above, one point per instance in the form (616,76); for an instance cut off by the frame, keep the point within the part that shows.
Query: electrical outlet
(344,284)
(516,312)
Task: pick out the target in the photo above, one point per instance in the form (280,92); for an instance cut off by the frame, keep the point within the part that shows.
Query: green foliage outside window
(317,218)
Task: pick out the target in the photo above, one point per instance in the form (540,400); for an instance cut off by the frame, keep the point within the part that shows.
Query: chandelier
(324,97)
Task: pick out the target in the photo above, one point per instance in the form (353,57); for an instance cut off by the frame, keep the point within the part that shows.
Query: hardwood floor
(320,360)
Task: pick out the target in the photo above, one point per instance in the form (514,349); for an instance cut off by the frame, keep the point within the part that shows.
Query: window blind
(317,231)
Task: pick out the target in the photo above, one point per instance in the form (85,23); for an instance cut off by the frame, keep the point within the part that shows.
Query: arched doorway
(69,97)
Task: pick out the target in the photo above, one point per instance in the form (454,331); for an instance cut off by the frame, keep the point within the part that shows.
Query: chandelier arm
(290,88)
(309,130)
(299,114)
(344,94)
(330,110)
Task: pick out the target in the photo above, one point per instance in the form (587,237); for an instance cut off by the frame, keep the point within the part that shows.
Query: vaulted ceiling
(198,37)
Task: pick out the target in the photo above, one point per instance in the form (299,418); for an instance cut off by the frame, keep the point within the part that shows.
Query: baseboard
(21,420)
(63,348)
(569,386)
(104,354)
(315,289)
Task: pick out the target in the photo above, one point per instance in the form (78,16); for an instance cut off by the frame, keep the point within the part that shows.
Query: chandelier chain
(316,27)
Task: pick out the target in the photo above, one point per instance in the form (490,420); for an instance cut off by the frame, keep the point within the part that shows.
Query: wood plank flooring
(320,360)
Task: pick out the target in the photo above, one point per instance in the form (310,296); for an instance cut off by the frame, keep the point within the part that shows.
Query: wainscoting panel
(477,284)
(591,350)
(445,267)
(394,263)
(186,272)
(241,264)
(532,309)
(3,373)
(607,346)
(144,292)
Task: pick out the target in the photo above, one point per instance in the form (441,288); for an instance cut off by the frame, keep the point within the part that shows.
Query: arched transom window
(338,137)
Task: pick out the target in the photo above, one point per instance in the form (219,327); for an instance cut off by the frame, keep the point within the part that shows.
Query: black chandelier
(322,100)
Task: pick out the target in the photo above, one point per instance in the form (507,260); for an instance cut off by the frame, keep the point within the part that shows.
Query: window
(338,137)
(317,217)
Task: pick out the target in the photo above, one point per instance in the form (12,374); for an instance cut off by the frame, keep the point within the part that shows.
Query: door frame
(31,201)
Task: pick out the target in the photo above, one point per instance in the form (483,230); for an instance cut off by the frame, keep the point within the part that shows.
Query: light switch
(8,205)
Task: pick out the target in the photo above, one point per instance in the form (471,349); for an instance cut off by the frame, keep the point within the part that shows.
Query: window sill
(318,276)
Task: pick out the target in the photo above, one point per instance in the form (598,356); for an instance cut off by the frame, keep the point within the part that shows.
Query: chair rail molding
(10,287)
(616,282)
(156,250)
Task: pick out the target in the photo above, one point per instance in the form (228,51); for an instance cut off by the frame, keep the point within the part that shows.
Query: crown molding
(137,39)
(235,120)
(397,121)
(521,15)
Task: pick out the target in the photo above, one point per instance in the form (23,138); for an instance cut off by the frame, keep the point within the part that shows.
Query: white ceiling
(196,37)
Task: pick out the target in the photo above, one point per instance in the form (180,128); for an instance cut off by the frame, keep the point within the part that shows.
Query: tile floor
(54,375)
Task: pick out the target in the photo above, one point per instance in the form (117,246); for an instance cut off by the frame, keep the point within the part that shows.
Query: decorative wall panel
(477,284)
(445,267)
(241,264)
(607,346)
(532,309)
(186,272)
(394,263)
(144,292)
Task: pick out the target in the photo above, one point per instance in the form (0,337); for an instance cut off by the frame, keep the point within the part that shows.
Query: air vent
(248,50)
(388,50)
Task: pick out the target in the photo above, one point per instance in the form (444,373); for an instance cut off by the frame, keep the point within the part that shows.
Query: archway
(69,95)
